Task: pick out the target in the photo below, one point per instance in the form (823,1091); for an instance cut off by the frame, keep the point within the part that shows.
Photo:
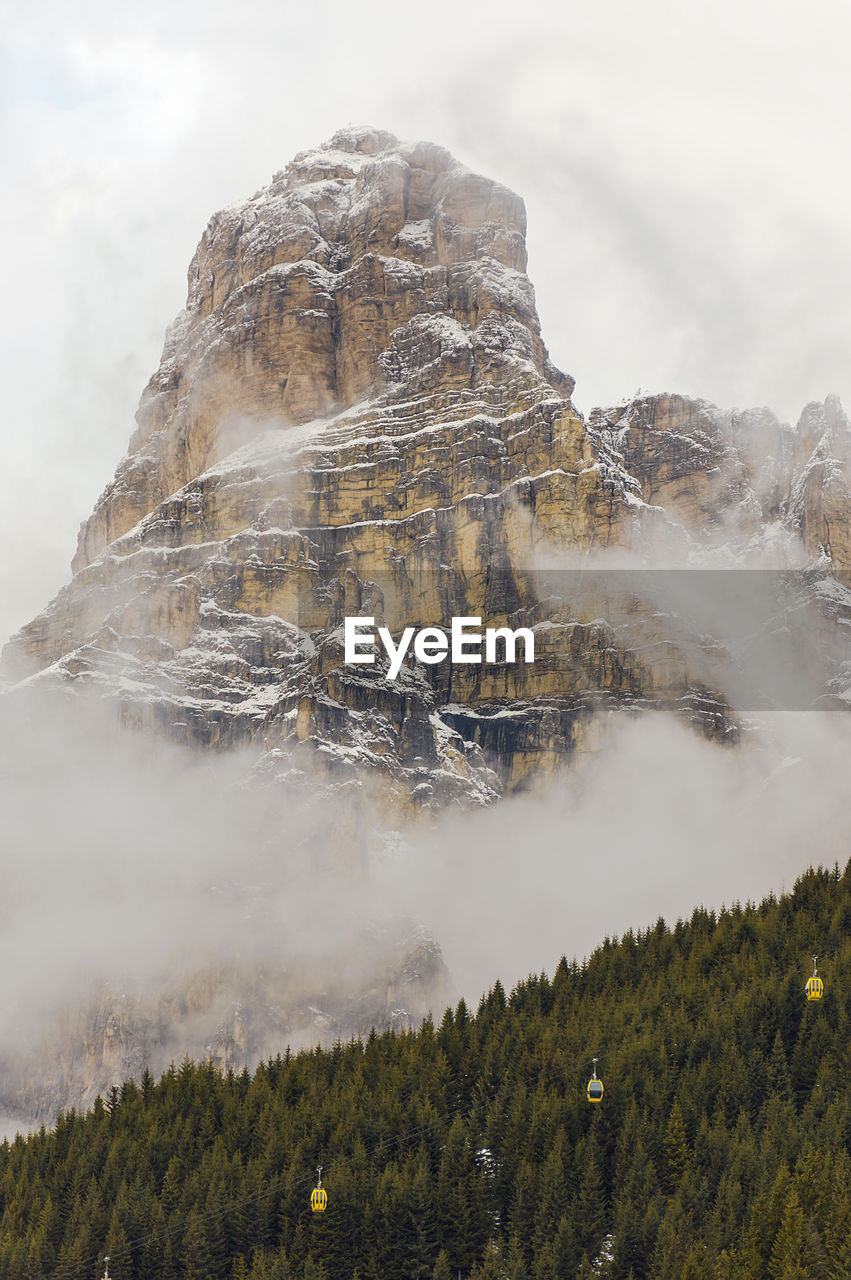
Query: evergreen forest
(721,1149)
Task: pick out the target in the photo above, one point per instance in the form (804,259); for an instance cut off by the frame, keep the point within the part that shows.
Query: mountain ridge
(356,413)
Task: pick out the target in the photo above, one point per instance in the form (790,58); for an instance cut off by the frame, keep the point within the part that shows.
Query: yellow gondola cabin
(595,1086)
(318,1196)
(815,986)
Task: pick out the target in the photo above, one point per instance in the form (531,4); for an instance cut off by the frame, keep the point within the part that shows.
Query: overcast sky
(684,168)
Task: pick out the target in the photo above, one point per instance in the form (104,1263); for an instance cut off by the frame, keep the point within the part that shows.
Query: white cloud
(654,821)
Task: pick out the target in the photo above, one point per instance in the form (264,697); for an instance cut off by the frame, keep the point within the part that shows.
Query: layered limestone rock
(820,500)
(364,262)
(356,414)
(683,459)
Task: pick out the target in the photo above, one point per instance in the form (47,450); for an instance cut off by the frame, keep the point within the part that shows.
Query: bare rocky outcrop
(819,503)
(356,413)
(365,261)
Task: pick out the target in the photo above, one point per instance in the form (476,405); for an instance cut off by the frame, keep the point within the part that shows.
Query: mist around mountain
(209,812)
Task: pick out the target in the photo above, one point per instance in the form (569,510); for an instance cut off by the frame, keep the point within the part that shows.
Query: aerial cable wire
(611,1052)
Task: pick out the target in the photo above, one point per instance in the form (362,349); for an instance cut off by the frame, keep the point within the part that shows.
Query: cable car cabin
(595,1090)
(815,988)
(318,1199)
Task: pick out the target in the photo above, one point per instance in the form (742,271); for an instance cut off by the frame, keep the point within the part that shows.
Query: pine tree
(698,1265)
(839,1260)
(492,1266)
(544,1265)
(196,1258)
(554,1198)
(442,1269)
(566,1252)
(313,1269)
(591,1213)
(676,1152)
(796,1254)
(524,1207)
(515,1264)
(779,1080)
(419,1221)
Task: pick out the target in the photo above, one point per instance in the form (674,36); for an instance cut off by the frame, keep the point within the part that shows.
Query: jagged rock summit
(356,413)
(356,391)
(366,265)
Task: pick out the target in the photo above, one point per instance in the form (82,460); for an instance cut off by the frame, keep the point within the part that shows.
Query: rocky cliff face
(356,414)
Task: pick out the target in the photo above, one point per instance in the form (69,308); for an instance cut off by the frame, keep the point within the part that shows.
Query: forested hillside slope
(721,1147)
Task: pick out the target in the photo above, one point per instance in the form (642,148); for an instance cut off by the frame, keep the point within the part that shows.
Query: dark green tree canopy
(722,1147)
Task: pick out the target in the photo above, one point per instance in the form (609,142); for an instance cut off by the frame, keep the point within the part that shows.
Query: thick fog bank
(654,821)
(126,862)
